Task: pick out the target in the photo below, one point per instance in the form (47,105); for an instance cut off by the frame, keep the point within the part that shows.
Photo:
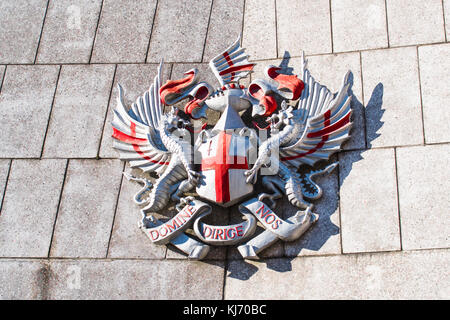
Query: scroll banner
(276,228)
(193,248)
(163,233)
(225,235)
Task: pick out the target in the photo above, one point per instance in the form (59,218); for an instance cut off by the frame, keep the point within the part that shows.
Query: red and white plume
(232,64)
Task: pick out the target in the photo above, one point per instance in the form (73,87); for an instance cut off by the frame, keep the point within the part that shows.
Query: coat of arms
(306,123)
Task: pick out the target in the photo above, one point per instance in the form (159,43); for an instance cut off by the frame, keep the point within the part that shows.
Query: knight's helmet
(229,67)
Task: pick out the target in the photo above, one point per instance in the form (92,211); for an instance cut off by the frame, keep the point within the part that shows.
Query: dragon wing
(136,131)
(326,120)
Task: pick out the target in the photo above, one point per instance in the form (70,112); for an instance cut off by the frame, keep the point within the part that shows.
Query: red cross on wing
(327,122)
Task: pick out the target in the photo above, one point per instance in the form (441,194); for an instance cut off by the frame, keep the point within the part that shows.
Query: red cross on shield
(224,161)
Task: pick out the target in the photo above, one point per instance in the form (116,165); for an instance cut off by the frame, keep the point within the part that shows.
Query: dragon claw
(270,198)
(194,177)
(184,202)
(128,176)
(148,221)
(251,176)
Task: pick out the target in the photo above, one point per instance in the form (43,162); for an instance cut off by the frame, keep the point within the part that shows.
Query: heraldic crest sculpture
(221,165)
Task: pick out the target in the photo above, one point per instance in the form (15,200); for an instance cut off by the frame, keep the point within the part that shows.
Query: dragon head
(282,118)
(174,122)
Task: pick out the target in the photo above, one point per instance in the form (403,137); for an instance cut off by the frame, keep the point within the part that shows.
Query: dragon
(309,132)
(155,142)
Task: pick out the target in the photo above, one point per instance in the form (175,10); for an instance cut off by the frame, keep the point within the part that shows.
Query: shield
(224,159)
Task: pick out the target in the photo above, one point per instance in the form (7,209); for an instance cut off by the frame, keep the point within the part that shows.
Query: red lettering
(233,233)
(239,231)
(189,209)
(219,234)
(153,237)
(186,213)
(181,222)
(268,217)
(205,230)
(276,224)
(172,227)
(261,211)
(161,231)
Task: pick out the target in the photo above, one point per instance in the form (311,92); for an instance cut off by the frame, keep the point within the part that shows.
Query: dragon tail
(164,187)
(292,187)
(311,189)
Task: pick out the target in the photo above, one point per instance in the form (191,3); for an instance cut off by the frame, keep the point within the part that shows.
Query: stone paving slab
(179,31)
(79,111)
(434,75)
(29,208)
(392,197)
(22,279)
(135,79)
(224,27)
(303,26)
(259,32)
(392,97)
(69,30)
(406,275)
(358,25)
(447,18)
(124,37)
(135,279)
(424,196)
(413,22)
(4,171)
(25,104)
(20,29)
(87,208)
(2,73)
(368,201)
